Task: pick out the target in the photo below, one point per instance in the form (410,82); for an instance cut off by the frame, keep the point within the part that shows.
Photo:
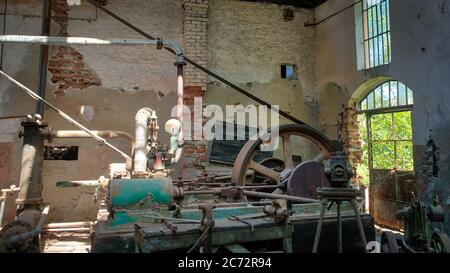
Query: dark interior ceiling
(307,4)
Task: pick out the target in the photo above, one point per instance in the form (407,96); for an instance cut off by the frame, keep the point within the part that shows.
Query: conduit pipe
(140,153)
(83,134)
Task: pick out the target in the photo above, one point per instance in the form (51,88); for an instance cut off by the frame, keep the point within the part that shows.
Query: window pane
(410,97)
(388,16)
(378,97)
(383,16)
(388,52)
(363,104)
(380,50)
(371,103)
(385,48)
(383,155)
(401,94)
(405,156)
(403,128)
(385,88)
(381,127)
(394,98)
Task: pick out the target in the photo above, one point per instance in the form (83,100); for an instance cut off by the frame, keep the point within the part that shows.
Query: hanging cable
(4,31)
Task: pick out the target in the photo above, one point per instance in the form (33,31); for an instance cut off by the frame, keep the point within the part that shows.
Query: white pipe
(51,40)
(140,153)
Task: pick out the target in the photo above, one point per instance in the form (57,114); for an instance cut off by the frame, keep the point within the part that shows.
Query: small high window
(288,71)
(59,152)
(373,33)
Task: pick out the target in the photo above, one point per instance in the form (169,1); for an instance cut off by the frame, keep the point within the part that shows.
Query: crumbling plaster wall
(249,42)
(131,78)
(420,59)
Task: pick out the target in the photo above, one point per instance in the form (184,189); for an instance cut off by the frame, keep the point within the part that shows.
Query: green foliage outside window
(391,143)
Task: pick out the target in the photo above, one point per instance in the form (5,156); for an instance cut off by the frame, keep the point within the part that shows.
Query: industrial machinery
(264,206)
(421,235)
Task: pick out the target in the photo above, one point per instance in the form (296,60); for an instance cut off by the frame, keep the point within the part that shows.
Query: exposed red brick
(67,65)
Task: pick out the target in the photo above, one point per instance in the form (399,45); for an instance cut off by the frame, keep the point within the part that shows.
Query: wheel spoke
(288,163)
(264,171)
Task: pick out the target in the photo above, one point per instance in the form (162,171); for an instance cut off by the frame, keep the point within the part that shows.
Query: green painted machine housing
(140,194)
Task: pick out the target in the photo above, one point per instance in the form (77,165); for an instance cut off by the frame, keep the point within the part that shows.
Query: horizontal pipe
(280,196)
(83,134)
(51,40)
(219,190)
(68,225)
(75,229)
(78,183)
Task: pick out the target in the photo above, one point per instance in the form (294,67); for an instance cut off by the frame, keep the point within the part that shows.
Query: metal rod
(280,196)
(43,54)
(209,72)
(218,190)
(65,116)
(173,219)
(13,117)
(319,225)
(75,229)
(68,224)
(339,226)
(359,223)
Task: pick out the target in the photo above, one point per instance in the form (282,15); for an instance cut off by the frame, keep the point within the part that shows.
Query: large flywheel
(245,159)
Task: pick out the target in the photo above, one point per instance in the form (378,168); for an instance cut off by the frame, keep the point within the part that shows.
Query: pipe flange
(12,229)
(159,43)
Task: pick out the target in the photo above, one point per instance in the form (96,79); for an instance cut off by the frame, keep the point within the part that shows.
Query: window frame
(395,141)
(368,43)
(369,113)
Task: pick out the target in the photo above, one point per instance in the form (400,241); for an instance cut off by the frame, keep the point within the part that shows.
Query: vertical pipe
(32,162)
(180,99)
(43,54)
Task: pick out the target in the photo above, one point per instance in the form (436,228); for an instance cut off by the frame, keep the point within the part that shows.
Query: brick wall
(352,138)
(195,21)
(67,65)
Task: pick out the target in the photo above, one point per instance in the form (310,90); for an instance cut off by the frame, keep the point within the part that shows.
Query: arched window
(385,127)
(392,95)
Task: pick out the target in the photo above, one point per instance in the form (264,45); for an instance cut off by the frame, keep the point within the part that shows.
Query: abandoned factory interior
(225,126)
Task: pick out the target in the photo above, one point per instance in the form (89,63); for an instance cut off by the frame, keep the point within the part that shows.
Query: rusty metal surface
(244,160)
(390,192)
